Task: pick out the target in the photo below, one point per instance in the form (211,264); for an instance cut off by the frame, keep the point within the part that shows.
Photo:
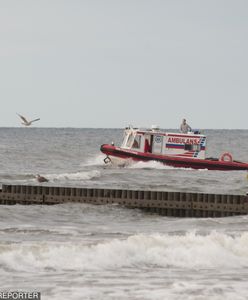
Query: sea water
(82,251)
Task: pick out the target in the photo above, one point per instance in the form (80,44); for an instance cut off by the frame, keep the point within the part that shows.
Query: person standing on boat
(185,128)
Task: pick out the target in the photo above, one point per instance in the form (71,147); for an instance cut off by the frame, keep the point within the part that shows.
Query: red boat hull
(174,161)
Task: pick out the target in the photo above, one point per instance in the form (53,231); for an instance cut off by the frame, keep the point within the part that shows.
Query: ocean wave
(19,177)
(94,161)
(80,175)
(148,165)
(131,164)
(190,251)
(154,165)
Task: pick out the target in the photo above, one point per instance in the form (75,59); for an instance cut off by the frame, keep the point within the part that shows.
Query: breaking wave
(75,176)
(154,165)
(190,251)
(81,175)
(149,165)
(94,161)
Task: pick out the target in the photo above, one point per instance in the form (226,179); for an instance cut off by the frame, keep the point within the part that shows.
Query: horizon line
(72,127)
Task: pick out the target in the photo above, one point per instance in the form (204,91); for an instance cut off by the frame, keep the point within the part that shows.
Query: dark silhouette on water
(41,178)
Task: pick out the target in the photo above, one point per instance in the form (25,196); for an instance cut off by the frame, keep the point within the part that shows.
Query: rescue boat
(183,150)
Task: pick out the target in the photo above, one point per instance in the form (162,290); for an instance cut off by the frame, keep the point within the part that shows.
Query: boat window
(196,147)
(187,147)
(124,140)
(191,147)
(129,141)
(136,142)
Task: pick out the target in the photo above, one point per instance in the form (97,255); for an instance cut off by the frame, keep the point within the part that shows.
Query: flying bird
(26,122)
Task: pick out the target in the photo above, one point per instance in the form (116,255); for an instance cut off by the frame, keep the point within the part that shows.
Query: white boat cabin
(155,141)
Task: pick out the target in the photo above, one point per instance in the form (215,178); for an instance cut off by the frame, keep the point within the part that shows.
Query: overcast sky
(103,63)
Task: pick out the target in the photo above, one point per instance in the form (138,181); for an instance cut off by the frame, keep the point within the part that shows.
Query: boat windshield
(130,140)
(124,139)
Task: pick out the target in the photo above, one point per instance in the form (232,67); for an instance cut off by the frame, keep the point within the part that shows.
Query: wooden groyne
(177,204)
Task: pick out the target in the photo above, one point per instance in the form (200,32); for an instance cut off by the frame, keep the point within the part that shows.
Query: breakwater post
(168,203)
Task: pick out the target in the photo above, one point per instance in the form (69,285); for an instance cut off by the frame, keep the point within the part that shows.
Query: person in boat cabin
(147,147)
(185,128)
(136,142)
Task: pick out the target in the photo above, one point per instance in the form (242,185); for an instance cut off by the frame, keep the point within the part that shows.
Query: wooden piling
(168,203)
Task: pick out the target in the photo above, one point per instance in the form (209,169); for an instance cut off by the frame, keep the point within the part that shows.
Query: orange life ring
(226,157)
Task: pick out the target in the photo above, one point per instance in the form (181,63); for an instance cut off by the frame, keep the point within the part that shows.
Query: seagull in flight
(26,122)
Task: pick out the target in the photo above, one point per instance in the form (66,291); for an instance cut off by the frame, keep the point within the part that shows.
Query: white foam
(131,164)
(149,165)
(154,165)
(192,251)
(81,175)
(94,161)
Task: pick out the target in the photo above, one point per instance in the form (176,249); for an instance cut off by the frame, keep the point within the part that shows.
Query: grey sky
(89,63)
